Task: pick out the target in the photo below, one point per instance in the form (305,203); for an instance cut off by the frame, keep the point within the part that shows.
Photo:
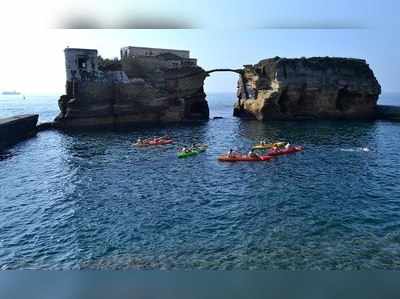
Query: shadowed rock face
(140,90)
(322,88)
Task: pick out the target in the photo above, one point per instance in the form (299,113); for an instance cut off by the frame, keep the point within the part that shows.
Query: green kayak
(192,152)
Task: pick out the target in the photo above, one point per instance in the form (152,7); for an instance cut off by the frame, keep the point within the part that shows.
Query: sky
(219,34)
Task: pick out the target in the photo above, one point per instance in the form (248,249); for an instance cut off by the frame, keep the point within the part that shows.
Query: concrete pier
(16,128)
(385,112)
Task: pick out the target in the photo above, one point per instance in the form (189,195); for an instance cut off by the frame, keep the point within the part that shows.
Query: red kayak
(243,158)
(285,151)
(154,142)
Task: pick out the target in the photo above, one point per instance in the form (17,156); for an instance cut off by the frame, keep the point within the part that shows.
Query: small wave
(5,155)
(357,149)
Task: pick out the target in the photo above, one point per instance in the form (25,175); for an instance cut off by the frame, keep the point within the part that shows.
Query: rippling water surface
(92,201)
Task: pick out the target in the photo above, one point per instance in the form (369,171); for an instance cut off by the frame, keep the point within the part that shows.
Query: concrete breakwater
(385,112)
(16,128)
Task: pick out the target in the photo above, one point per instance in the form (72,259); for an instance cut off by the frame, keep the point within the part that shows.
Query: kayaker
(230,153)
(275,148)
(252,154)
(185,150)
(287,146)
(139,141)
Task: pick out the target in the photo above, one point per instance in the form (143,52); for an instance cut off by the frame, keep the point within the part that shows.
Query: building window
(82,63)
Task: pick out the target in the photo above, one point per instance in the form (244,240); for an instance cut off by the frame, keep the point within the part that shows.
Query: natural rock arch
(237,71)
(200,108)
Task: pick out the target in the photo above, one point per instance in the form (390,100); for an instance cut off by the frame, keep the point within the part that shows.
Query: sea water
(90,200)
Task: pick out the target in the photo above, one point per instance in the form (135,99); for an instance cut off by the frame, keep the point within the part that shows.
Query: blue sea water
(92,201)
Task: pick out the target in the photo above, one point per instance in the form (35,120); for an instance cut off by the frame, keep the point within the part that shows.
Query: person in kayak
(139,141)
(165,137)
(287,146)
(185,150)
(276,148)
(230,153)
(252,154)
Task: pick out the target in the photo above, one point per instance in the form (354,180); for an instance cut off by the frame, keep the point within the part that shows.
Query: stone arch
(237,71)
(196,109)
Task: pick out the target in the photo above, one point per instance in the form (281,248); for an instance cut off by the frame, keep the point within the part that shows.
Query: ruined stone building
(143,51)
(172,58)
(81,64)
(144,85)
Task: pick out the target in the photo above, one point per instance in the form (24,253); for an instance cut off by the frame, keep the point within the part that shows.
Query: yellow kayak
(269,145)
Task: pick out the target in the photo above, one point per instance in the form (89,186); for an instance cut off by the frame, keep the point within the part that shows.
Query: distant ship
(10,93)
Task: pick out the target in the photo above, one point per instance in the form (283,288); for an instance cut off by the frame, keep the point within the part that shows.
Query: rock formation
(136,89)
(163,85)
(313,88)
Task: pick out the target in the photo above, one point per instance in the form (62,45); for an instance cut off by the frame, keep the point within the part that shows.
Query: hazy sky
(231,34)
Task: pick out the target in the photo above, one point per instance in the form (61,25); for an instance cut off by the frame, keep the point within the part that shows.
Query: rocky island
(152,85)
(144,85)
(308,88)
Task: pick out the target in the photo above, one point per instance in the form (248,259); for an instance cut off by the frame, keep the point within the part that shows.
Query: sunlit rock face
(154,89)
(313,88)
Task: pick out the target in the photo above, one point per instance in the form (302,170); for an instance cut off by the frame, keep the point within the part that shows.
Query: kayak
(153,142)
(243,158)
(284,151)
(192,152)
(268,145)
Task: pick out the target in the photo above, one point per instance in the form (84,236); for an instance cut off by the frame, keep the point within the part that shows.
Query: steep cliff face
(325,88)
(134,91)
